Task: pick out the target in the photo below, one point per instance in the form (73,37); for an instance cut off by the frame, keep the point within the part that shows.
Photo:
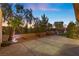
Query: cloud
(43,7)
(50,9)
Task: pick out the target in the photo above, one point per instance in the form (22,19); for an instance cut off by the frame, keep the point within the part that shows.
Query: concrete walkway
(46,46)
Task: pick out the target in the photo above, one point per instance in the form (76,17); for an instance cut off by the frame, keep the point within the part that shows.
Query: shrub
(5,43)
(71,30)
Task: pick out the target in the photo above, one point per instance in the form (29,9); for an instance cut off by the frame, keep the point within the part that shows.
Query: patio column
(0,26)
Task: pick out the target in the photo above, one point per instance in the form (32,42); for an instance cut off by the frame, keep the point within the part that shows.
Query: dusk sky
(55,12)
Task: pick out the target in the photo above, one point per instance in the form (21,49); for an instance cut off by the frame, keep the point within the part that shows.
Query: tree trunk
(0,26)
(10,34)
(12,37)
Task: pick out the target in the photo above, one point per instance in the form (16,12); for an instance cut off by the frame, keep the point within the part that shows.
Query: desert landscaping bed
(29,36)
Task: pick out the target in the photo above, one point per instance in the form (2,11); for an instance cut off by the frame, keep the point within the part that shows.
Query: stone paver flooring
(46,46)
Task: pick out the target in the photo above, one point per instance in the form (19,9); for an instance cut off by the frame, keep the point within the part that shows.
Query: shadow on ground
(69,50)
(66,50)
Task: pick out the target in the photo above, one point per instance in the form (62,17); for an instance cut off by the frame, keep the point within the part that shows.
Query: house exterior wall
(0,26)
(76,10)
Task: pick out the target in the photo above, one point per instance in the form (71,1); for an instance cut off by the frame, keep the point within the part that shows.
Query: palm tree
(26,14)
(14,20)
(14,23)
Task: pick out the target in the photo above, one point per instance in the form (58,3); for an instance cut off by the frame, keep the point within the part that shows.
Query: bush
(5,30)
(71,30)
(5,43)
(49,33)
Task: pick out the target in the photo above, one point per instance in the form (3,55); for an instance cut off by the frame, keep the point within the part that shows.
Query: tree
(44,23)
(28,16)
(14,19)
(49,26)
(59,27)
(77,25)
(71,30)
(6,11)
(19,8)
(37,25)
(14,23)
(7,14)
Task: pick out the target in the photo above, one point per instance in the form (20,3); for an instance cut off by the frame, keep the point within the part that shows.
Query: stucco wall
(0,25)
(76,10)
